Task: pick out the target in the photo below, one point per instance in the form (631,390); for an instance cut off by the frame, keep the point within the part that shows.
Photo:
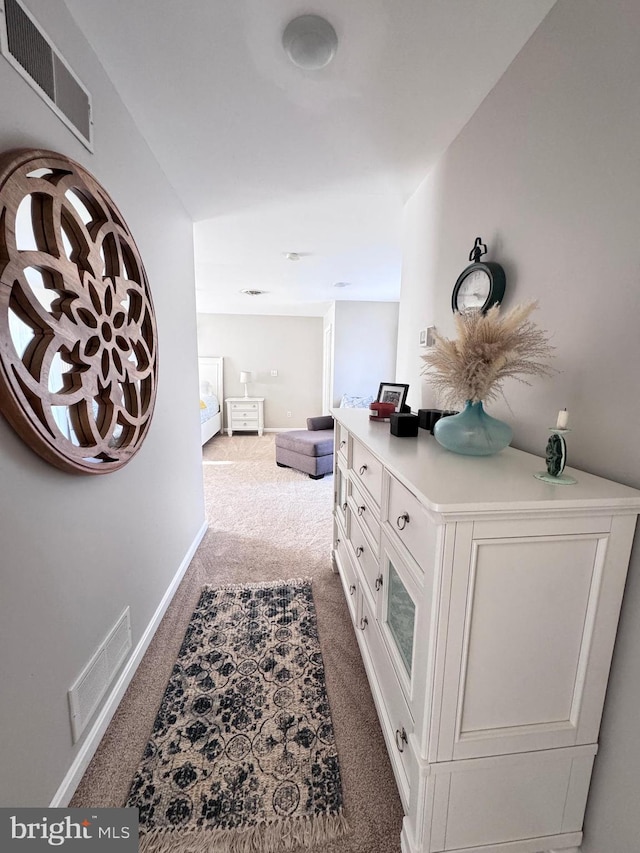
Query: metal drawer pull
(352,589)
(361,509)
(402,735)
(363,468)
(359,550)
(402,520)
(337,542)
(363,623)
(344,506)
(342,443)
(379,582)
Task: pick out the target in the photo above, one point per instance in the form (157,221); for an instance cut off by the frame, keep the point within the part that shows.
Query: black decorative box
(424,418)
(404,425)
(428,418)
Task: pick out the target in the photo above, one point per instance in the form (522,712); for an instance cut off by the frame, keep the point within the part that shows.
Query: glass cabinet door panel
(401,612)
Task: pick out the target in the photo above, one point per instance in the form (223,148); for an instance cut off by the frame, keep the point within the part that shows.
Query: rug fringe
(259,585)
(282,834)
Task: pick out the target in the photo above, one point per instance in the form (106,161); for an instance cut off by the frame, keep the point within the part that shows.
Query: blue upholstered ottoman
(308,450)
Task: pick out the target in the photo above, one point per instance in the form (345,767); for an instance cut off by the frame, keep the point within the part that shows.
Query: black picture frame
(392,392)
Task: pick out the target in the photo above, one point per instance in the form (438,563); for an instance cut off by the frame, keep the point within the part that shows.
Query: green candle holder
(556,458)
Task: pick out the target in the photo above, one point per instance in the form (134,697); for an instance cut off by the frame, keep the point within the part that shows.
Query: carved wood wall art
(78,339)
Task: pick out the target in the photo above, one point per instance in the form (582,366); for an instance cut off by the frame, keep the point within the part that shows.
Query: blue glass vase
(473,432)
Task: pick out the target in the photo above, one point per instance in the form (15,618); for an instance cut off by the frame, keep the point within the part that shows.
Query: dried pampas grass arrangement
(489,349)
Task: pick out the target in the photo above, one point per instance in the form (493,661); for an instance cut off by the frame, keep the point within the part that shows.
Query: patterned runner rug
(242,755)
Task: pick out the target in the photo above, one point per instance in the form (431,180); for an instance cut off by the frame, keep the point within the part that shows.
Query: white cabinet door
(395,717)
(400,604)
(529,620)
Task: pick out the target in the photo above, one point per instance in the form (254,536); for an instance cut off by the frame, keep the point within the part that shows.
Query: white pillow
(350,402)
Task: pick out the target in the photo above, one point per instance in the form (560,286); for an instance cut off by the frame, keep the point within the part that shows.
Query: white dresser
(485,603)
(245,414)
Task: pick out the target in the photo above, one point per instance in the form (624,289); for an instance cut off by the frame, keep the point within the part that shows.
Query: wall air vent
(90,686)
(28,48)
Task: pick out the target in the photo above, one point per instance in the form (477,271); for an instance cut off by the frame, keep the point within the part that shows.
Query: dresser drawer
(363,553)
(342,442)
(368,471)
(341,490)
(243,416)
(244,407)
(347,572)
(395,717)
(409,522)
(364,510)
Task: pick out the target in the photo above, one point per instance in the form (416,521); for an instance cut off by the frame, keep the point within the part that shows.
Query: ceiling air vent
(35,57)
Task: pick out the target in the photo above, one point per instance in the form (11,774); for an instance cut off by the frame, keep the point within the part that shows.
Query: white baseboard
(282,429)
(87,750)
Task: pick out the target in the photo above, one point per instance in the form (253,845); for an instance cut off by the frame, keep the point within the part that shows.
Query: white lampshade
(245,376)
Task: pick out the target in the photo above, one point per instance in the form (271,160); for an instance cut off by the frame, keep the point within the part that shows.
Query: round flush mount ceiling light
(310,42)
(342,284)
(292,256)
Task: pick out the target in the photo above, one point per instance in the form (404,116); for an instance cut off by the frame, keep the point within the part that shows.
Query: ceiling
(268,158)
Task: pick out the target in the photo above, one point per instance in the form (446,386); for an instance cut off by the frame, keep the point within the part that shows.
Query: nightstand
(245,414)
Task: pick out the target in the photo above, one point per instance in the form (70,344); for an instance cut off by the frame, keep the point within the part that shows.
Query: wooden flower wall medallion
(78,340)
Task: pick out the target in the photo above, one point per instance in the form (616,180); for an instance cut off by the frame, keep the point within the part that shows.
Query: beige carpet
(265,523)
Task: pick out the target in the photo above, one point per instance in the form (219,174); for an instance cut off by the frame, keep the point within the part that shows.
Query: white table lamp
(245,376)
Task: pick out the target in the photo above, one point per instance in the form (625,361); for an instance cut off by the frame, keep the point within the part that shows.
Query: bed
(210,370)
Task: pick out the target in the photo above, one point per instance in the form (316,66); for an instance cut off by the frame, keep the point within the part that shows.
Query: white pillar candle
(563,419)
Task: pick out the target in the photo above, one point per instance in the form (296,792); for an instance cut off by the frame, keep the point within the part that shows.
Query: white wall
(76,550)
(548,173)
(365,336)
(290,345)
